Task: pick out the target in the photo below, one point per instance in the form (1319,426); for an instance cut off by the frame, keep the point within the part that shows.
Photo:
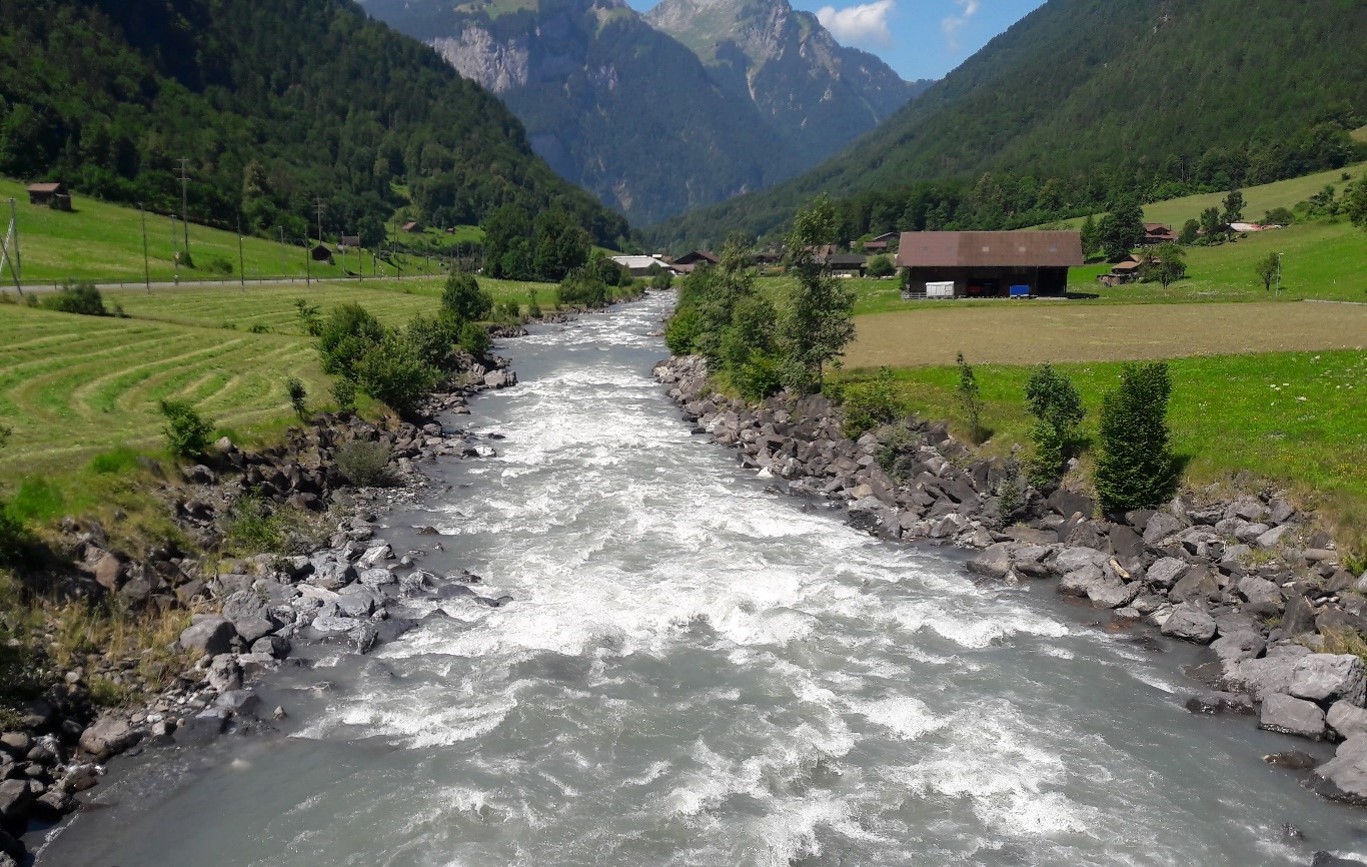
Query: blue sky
(917,38)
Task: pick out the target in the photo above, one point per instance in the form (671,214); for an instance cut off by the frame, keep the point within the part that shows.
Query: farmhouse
(688,261)
(349,241)
(641,266)
(846,264)
(881,243)
(410,227)
(54,196)
(1157,233)
(1126,271)
(987,264)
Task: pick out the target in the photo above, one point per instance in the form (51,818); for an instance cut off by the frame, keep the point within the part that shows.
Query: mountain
(1082,99)
(636,117)
(273,104)
(817,94)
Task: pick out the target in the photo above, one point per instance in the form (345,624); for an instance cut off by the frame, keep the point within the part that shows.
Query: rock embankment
(1250,577)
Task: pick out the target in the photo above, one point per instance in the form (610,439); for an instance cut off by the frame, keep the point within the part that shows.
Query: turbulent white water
(699,672)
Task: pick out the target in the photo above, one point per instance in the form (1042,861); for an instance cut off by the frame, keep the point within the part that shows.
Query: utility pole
(12,239)
(241,260)
(1278,293)
(175,254)
(319,207)
(146,266)
(185,200)
(308,263)
(284,266)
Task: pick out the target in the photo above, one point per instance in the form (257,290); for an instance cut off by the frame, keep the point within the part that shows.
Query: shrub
(661,279)
(1056,405)
(348,334)
(187,432)
(881,266)
(14,538)
(871,403)
(533,308)
(682,331)
(218,265)
(365,464)
(434,337)
(118,461)
(1135,467)
(344,392)
(298,395)
(580,288)
(475,338)
(82,298)
(259,328)
(970,400)
(510,310)
(463,298)
(393,372)
(757,377)
(309,318)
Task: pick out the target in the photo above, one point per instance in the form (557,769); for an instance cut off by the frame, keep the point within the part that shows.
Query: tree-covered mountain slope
(272,104)
(816,94)
(1149,96)
(634,116)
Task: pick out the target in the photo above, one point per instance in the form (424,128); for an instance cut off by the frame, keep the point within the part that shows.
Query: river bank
(1251,577)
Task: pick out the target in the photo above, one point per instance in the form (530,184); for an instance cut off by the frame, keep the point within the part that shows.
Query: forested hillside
(273,104)
(1085,99)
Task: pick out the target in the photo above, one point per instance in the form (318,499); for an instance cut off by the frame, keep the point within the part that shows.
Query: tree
(558,245)
(1210,224)
(970,399)
(1267,268)
(1356,203)
(1234,207)
(1191,229)
(1091,237)
(820,318)
(1056,405)
(187,432)
(1135,466)
(1165,265)
(463,298)
(881,266)
(1122,229)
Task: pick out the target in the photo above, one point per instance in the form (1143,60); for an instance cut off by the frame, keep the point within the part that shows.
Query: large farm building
(987,264)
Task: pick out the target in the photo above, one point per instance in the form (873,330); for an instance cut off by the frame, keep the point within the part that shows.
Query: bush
(580,288)
(475,339)
(1135,466)
(881,266)
(394,373)
(871,403)
(259,328)
(661,279)
(15,540)
(970,400)
(116,462)
(365,464)
(757,377)
(344,392)
(187,432)
(434,338)
(298,395)
(1056,405)
(510,310)
(682,331)
(81,298)
(463,298)
(533,307)
(309,318)
(348,334)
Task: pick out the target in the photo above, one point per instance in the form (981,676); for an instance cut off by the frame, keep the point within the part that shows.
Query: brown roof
(1157,228)
(46,188)
(1127,265)
(989,249)
(692,257)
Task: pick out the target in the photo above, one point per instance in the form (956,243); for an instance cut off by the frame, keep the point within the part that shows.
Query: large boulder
(1112,593)
(1196,585)
(109,736)
(1259,590)
(1344,777)
(15,798)
(208,634)
(225,675)
(1081,582)
(1348,720)
(1161,526)
(1190,623)
(1270,674)
(1073,559)
(1325,677)
(1167,571)
(1239,645)
(994,562)
(1292,716)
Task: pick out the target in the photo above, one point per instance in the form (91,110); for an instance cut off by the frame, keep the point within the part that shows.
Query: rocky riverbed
(1251,577)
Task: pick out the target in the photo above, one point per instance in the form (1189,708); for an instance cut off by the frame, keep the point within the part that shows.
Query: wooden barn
(987,264)
(54,196)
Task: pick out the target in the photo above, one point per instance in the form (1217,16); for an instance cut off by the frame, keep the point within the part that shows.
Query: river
(699,671)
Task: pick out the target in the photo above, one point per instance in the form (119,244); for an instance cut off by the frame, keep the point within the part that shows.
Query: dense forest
(273,104)
(1084,100)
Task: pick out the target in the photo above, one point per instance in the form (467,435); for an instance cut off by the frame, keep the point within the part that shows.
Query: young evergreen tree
(970,399)
(820,317)
(1056,405)
(1135,467)
(1121,229)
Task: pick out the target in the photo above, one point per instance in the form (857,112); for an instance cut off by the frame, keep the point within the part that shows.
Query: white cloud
(866,23)
(952,23)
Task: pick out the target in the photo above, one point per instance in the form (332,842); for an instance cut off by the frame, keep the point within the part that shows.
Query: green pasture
(103,243)
(1293,419)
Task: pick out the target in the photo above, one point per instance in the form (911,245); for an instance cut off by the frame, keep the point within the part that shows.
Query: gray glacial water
(697,672)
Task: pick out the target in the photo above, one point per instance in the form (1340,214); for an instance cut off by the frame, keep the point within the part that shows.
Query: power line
(319,206)
(185,200)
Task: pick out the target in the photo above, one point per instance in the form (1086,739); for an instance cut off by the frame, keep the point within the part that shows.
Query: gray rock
(273,645)
(378,577)
(208,634)
(254,665)
(1219,702)
(1259,590)
(1250,533)
(1198,584)
(334,625)
(109,736)
(225,674)
(1112,593)
(1161,526)
(373,557)
(330,574)
(1344,777)
(252,629)
(15,798)
(1167,571)
(1189,623)
(1347,719)
(1292,716)
(1072,559)
(239,702)
(1238,646)
(1273,537)
(1080,582)
(1329,677)
(1248,508)
(357,601)
(1298,617)
(995,562)
(202,727)
(1267,675)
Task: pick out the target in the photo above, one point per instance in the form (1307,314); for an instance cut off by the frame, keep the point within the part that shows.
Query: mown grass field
(75,386)
(103,243)
(1294,419)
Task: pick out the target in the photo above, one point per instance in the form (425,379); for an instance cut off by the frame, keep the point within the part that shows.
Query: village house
(410,227)
(880,243)
(692,259)
(846,265)
(1125,271)
(987,264)
(641,266)
(55,196)
(1157,233)
(349,241)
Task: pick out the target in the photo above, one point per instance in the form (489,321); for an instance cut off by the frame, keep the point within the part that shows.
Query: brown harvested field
(1034,332)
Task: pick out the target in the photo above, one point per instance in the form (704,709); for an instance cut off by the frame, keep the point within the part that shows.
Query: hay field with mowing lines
(1065,331)
(71,386)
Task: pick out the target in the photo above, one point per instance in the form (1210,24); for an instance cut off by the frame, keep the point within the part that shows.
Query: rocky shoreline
(254,612)
(1251,577)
